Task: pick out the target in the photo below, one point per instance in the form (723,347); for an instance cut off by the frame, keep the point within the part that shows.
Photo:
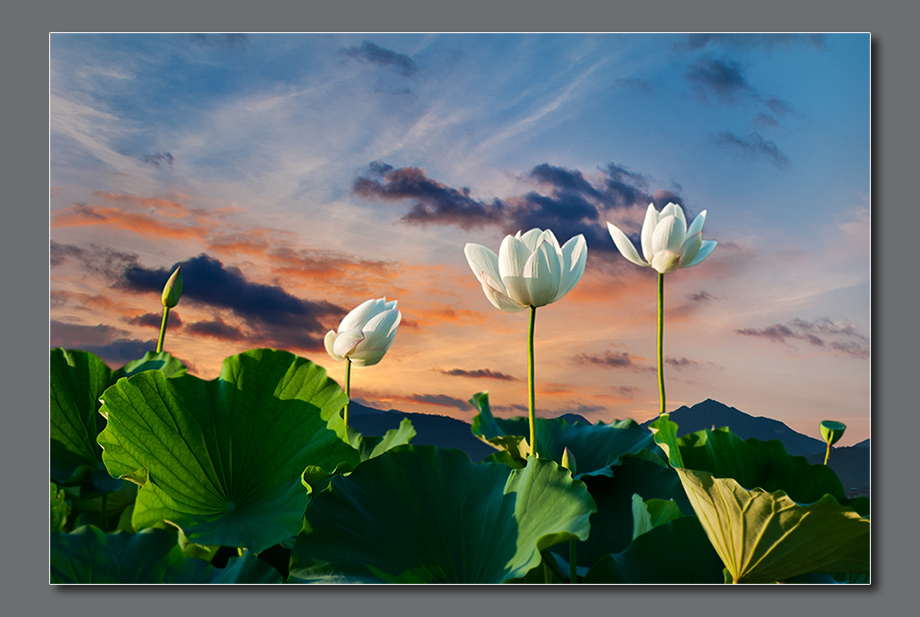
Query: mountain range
(851,464)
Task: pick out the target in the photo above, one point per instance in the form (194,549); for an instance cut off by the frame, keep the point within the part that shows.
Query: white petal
(697,224)
(345,342)
(624,245)
(367,358)
(380,331)
(648,229)
(666,261)
(574,254)
(705,250)
(690,248)
(361,314)
(495,293)
(481,259)
(531,239)
(669,234)
(512,256)
(674,209)
(329,341)
(542,275)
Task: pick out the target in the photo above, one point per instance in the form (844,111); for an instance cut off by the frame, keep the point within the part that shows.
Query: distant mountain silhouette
(850,463)
(430,429)
(710,413)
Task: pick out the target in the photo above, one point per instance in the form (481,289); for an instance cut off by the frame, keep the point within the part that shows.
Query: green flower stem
(531,399)
(163,329)
(239,551)
(661,409)
(828,454)
(347,388)
(573,567)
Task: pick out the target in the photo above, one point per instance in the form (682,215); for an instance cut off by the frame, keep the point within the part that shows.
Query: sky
(294,176)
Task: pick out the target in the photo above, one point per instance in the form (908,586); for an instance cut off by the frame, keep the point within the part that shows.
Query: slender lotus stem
(573,567)
(163,329)
(661,409)
(828,454)
(347,388)
(531,399)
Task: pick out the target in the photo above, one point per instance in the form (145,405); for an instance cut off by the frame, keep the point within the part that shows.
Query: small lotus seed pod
(173,289)
(832,431)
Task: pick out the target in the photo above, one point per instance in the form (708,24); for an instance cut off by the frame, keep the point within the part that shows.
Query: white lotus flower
(365,334)
(529,270)
(667,243)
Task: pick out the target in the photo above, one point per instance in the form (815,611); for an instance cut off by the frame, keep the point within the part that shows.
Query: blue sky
(298,175)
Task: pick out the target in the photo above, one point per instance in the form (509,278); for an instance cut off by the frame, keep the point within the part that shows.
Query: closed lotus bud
(173,289)
(832,431)
(568,460)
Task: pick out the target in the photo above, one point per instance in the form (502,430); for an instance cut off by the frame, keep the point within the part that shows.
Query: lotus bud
(568,460)
(173,289)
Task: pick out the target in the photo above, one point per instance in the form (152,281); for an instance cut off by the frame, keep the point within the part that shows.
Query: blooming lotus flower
(365,334)
(667,243)
(530,270)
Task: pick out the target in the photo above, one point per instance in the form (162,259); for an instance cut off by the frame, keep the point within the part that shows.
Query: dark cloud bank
(563,200)
(275,317)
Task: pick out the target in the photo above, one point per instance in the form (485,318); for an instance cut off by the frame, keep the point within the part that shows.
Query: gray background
(25,296)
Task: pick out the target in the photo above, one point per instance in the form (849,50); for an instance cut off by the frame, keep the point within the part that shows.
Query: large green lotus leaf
(78,379)
(764,537)
(421,514)
(595,446)
(222,459)
(370,446)
(163,362)
(612,524)
(87,555)
(652,513)
(677,552)
(59,507)
(759,464)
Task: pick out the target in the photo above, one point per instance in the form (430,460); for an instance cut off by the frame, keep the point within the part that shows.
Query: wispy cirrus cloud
(835,337)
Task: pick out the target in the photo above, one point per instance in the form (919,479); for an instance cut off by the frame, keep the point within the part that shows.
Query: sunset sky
(294,176)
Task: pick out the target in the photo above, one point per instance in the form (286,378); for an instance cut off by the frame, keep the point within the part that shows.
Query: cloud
(217,329)
(482,373)
(441,400)
(700,296)
(685,363)
(374,54)
(78,336)
(754,146)
(723,78)
(434,202)
(155,320)
(565,200)
(276,317)
(840,337)
(232,40)
(610,359)
(159,157)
